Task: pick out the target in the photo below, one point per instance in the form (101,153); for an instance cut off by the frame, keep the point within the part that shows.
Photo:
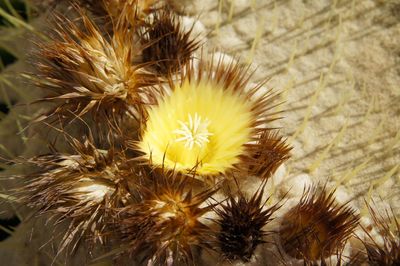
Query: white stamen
(193,131)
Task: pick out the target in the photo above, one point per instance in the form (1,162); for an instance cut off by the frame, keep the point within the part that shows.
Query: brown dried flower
(166,226)
(241,221)
(273,153)
(317,227)
(87,72)
(167,43)
(80,189)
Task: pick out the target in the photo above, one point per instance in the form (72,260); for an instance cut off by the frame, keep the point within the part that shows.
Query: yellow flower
(209,122)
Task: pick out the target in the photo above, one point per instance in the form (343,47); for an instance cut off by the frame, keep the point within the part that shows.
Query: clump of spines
(167,43)
(166,225)
(389,228)
(81,188)
(86,72)
(274,152)
(241,223)
(317,227)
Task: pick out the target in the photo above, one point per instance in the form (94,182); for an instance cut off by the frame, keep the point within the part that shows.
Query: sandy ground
(337,66)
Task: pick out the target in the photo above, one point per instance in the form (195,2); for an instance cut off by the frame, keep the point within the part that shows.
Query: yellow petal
(224,125)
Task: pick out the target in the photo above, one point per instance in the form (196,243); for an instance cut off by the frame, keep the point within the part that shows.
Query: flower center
(194,131)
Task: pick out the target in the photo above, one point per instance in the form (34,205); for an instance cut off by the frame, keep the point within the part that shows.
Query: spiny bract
(165,226)
(167,43)
(241,221)
(86,71)
(81,188)
(387,254)
(317,227)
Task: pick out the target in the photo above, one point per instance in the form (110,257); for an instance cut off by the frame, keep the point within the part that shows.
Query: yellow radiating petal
(199,125)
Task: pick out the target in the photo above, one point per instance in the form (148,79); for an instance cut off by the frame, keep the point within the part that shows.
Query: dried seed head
(86,72)
(192,127)
(317,227)
(165,227)
(389,227)
(241,221)
(272,153)
(167,43)
(81,189)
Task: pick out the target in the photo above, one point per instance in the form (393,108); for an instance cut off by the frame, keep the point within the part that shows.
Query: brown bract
(87,72)
(165,227)
(241,221)
(79,189)
(317,227)
(167,43)
(389,228)
(273,152)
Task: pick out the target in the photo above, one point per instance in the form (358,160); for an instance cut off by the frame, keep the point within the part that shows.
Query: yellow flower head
(209,122)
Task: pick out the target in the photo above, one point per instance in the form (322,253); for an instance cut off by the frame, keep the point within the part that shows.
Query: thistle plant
(174,126)
(185,118)
(146,192)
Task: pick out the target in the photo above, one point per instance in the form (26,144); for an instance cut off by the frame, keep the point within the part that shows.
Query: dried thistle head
(80,189)
(166,226)
(210,121)
(388,226)
(317,227)
(241,221)
(167,43)
(273,153)
(87,72)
